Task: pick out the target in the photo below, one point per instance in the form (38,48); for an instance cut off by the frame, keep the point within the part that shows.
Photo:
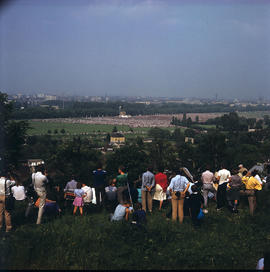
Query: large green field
(224,241)
(42,128)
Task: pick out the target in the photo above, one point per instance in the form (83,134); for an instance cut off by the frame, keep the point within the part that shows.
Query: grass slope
(224,241)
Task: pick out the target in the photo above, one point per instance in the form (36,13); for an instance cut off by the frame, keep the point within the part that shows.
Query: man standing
(241,170)
(121,183)
(207,180)
(99,184)
(148,183)
(223,178)
(178,188)
(39,181)
(5,185)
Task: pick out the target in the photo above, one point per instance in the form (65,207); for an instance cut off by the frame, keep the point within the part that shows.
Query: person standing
(5,191)
(241,169)
(207,180)
(78,201)
(233,191)
(223,178)
(40,181)
(148,183)
(100,184)
(161,187)
(178,188)
(121,183)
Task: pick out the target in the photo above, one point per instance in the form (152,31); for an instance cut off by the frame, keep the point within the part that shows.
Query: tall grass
(224,241)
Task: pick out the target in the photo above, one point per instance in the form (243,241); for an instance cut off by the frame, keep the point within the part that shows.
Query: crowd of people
(124,197)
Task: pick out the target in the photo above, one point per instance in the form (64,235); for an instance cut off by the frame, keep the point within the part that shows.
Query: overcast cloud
(144,47)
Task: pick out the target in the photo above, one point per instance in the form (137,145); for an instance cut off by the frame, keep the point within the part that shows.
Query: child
(139,216)
(78,201)
(122,211)
(196,203)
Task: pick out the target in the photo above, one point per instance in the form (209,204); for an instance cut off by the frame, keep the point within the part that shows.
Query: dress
(161,187)
(78,201)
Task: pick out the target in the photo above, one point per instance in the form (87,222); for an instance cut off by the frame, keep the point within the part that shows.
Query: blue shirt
(79,192)
(178,183)
(148,179)
(120,212)
(99,177)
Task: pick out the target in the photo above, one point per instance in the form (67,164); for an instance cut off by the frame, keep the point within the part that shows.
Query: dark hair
(79,185)
(138,206)
(244,172)
(160,169)
(194,188)
(122,168)
(40,168)
(99,165)
(254,173)
(234,172)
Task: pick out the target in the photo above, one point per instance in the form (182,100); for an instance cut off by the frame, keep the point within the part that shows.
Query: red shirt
(161,179)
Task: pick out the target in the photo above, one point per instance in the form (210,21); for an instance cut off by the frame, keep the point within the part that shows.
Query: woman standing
(161,186)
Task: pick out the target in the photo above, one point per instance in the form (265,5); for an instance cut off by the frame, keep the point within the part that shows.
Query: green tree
(63,131)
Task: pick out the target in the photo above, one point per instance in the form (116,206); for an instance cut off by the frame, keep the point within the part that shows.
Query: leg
(144,200)
(8,221)
(174,207)
(160,204)
(120,194)
(75,209)
(149,201)
(42,202)
(81,210)
(251,205)
(181,209)
(97,191)
(2,208)
(205,195)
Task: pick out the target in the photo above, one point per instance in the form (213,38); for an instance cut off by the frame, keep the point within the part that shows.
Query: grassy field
(41,128)
(254,114)
(224,241)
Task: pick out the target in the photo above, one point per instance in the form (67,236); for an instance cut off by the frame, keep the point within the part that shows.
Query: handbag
(200,215)
(9,200)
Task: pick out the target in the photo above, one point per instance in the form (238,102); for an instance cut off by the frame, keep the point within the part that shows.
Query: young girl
(78,201)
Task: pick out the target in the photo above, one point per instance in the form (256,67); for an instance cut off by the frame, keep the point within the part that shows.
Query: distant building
(32,163)
(117,138)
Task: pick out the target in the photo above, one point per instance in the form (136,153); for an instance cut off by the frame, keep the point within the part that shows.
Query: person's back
(71,186)
(18,192)
(139,216)
(39,181)
(99,178)
(223,175)
(88,191)
(121,211)
(207,177)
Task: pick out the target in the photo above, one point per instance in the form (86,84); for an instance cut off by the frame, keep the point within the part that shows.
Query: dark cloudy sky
(136,47)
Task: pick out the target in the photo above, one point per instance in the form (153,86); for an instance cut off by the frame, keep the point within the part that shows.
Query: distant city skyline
(154,48)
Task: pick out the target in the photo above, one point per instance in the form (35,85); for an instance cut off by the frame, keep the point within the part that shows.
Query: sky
(166,48)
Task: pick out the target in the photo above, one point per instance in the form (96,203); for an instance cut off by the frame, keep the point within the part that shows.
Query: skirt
(159,193)
(78,201)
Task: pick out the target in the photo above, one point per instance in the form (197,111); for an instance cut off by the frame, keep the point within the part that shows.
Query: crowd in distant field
(133,200)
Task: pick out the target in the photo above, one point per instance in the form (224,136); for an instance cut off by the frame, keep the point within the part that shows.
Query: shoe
(205,211)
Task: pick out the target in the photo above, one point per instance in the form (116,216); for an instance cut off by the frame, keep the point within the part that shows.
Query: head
(234,172)
(194,189)
(240,166)
(79,185)
(126,203)
(40,168)
(121,169)
(3,173)
(138,206)
(150,168)
(99,165)
(160,169)
(254,173)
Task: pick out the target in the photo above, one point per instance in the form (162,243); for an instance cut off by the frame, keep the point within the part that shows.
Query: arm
(127,213)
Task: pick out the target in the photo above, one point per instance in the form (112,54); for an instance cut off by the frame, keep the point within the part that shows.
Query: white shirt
(258,178)
(89,195)
(224,175)
(18,192)
(9,183)
(260,264)
(39,180)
